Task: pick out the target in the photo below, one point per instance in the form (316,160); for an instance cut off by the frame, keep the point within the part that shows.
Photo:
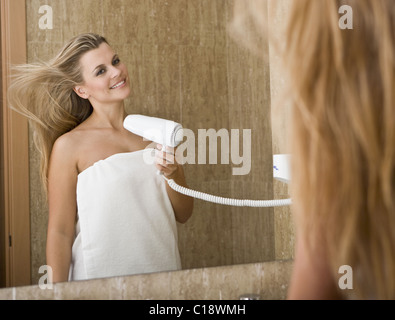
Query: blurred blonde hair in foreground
(342,88)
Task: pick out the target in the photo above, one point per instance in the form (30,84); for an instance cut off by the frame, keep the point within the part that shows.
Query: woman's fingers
(165,157)
(165,160)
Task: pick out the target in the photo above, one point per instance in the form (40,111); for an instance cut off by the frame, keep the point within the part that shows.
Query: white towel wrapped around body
(126,223)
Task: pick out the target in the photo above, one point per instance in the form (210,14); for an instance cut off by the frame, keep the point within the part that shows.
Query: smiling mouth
(119,84)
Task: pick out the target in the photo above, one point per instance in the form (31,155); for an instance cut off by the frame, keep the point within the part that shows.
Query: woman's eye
(101,71)
(116,61)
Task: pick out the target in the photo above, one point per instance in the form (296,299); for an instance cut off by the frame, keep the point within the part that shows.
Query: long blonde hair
(44,93)
(342,86)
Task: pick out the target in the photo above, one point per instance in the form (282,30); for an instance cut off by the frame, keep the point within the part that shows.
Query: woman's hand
(166,162)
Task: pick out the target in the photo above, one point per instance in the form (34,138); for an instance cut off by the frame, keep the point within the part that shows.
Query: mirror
(185,66)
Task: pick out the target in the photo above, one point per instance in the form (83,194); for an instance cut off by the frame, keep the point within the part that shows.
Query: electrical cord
(227,201)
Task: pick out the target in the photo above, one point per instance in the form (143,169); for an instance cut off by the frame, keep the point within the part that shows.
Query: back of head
(342,83)
(44,93)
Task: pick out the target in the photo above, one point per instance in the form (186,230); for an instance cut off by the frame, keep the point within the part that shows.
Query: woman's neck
(108,116)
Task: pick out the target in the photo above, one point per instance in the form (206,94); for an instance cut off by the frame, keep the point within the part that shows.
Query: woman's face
(106,78)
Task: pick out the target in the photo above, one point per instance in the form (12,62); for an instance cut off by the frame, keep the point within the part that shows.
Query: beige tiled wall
(184,66)
(280,113)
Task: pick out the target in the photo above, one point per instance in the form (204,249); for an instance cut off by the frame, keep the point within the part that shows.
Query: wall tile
(280,115)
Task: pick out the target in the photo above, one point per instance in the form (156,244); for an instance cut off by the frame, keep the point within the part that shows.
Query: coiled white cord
(227,201)
(169,133)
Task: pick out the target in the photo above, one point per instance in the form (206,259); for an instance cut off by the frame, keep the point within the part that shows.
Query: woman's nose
(115,72)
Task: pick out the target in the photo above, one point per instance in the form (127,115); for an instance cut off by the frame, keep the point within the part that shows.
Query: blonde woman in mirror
(110,214)
(341,83)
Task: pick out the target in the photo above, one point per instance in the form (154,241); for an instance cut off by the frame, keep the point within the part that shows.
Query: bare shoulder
(65,150)
(312,275)
(66,143)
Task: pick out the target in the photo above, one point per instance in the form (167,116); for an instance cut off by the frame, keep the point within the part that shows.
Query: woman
(344,149)
(342,87)
(110,214)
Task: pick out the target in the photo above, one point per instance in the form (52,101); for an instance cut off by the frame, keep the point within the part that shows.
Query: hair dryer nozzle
(162,131)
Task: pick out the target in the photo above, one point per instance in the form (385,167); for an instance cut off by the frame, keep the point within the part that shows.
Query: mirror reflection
(183,65)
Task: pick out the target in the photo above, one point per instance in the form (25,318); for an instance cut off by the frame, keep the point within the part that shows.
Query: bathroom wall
(184,66)
(280,112)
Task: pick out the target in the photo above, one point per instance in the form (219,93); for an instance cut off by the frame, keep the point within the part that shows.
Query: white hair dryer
(170,133)
(162,131)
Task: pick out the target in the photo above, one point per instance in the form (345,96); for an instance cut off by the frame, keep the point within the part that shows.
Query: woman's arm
(182,204)
(62,203)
